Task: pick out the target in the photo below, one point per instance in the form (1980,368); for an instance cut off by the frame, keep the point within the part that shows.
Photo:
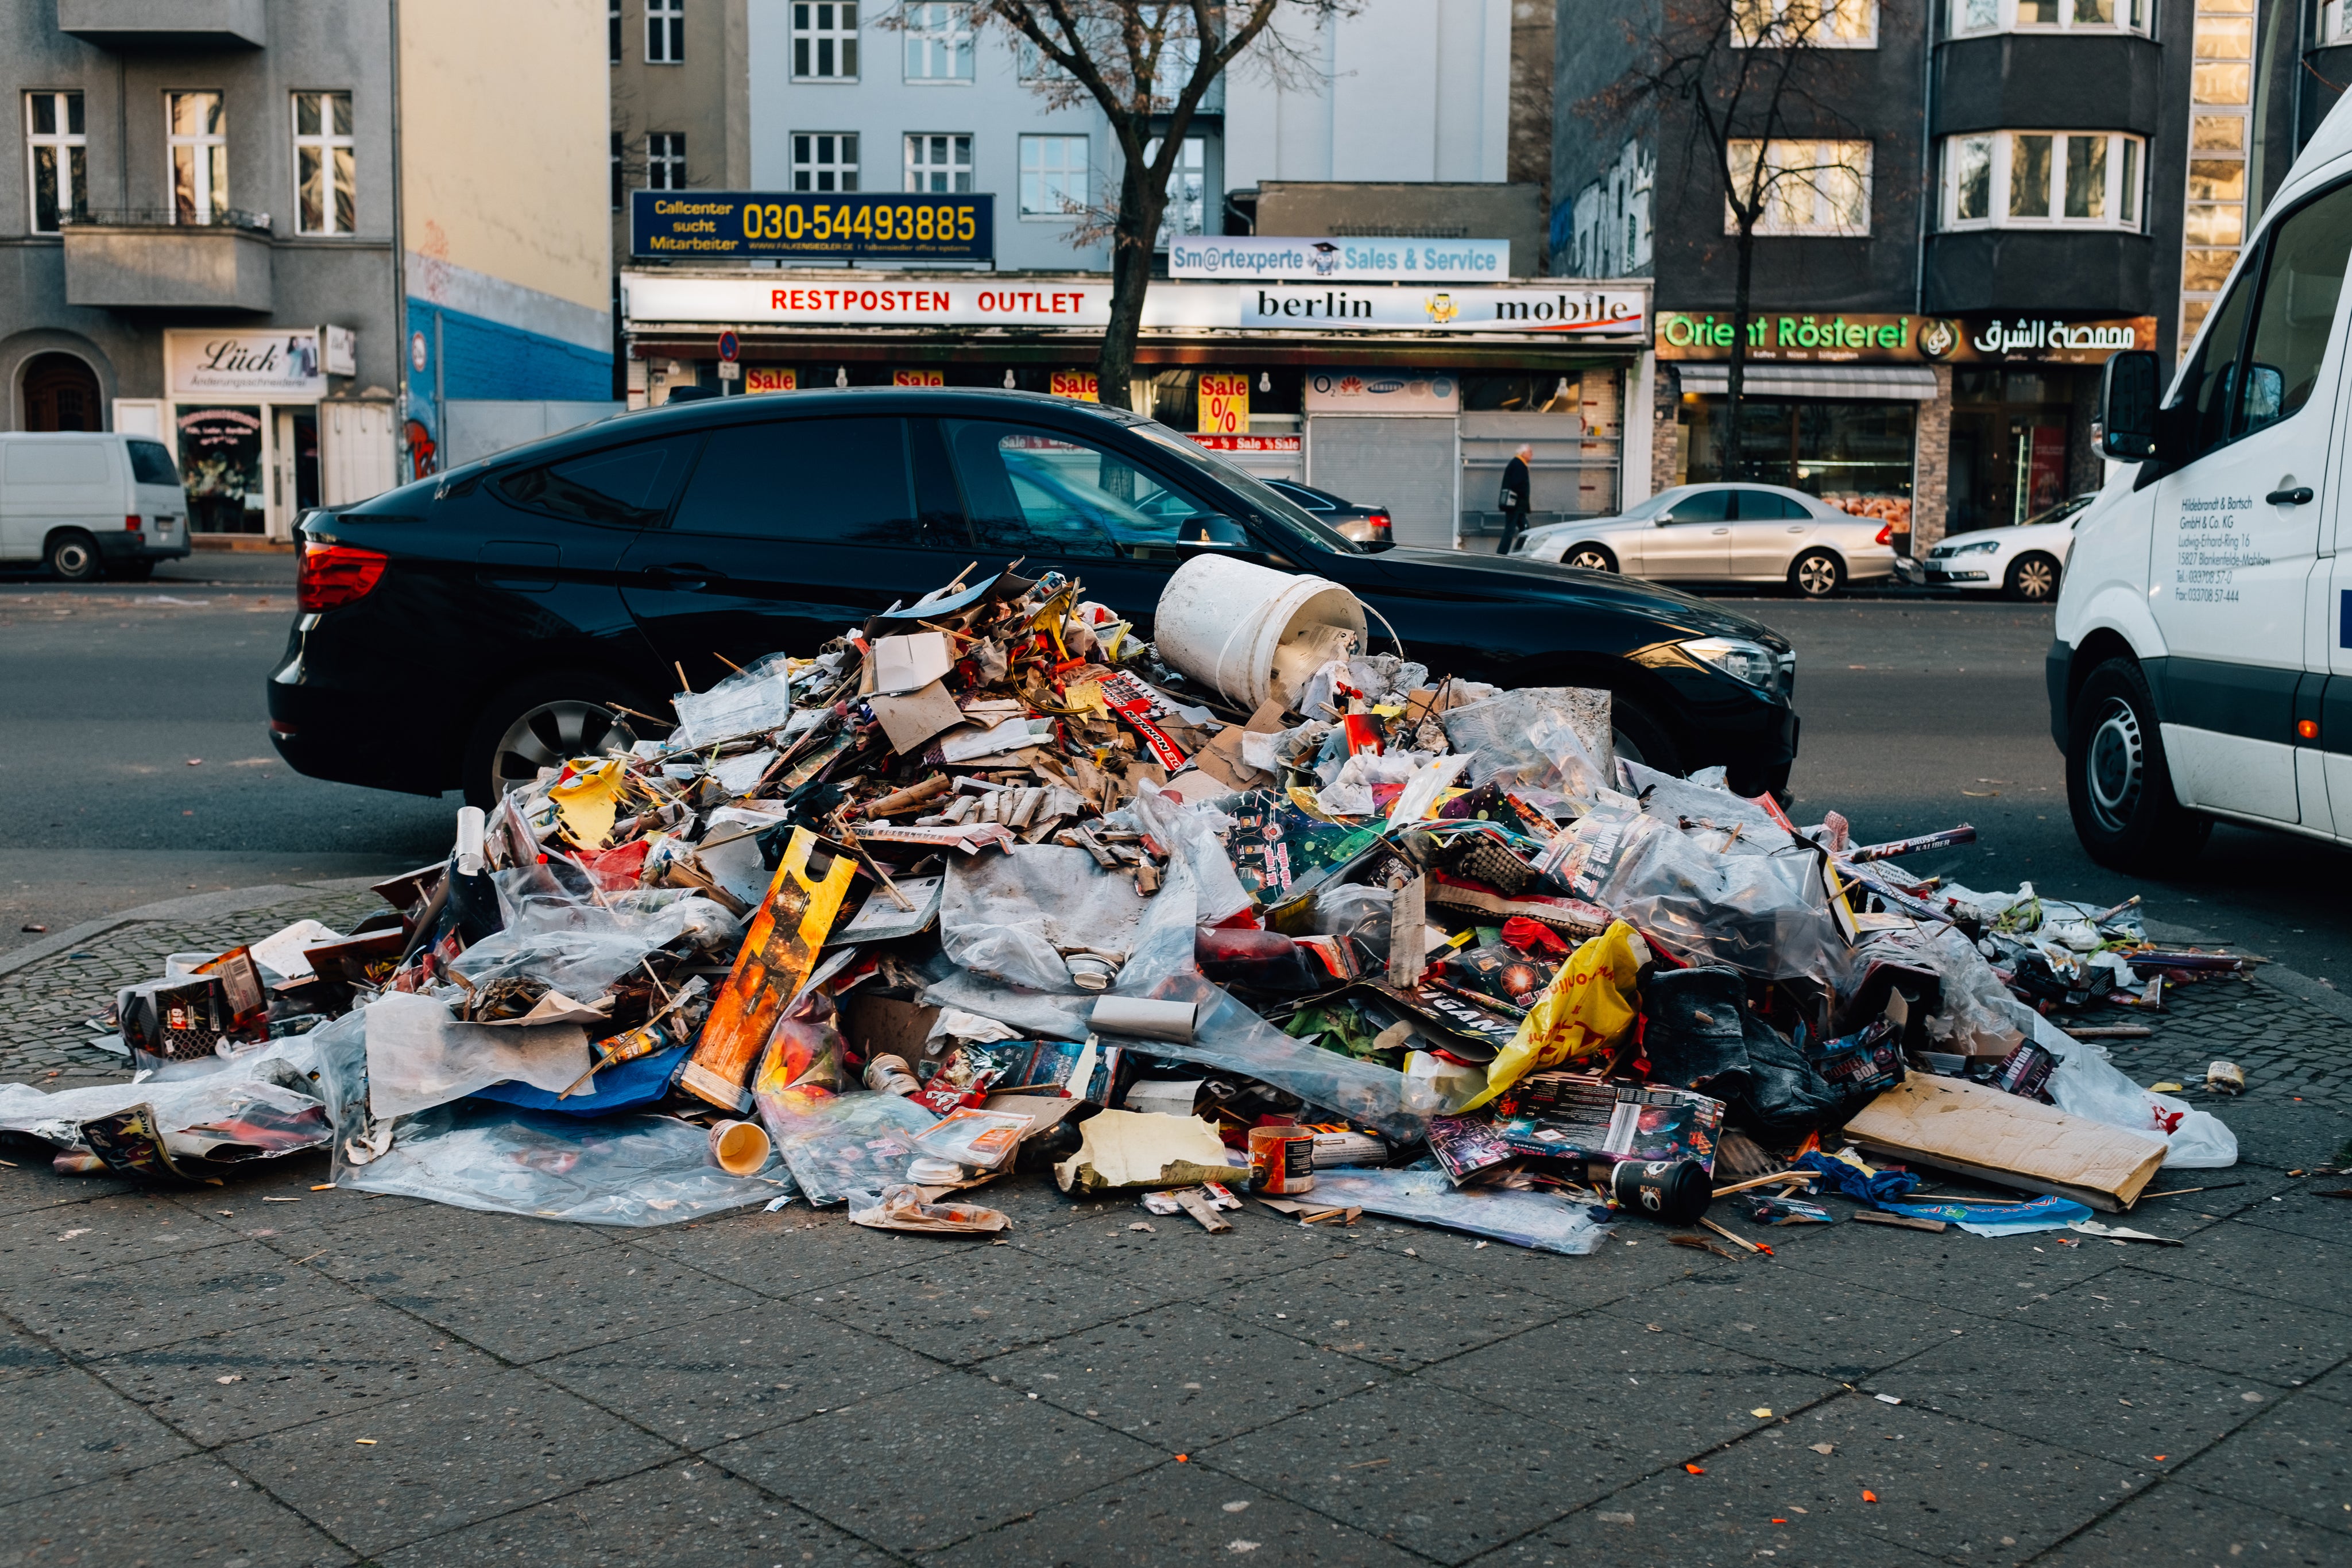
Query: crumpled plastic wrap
(1514,737)
(841,1146)
(1766,916)
(418,1056)
(1013,917)
(1678,801)
(629,1170)
(1424,1192)
(581,947)
(754,701)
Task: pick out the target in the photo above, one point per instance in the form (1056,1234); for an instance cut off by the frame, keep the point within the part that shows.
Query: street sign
(730,347)
(719,226)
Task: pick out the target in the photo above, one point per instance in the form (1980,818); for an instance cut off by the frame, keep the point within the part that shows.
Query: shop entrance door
(297,489)
(1407,465)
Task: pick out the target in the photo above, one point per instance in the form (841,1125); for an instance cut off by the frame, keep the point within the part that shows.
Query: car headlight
(1741,660)
(1982,547)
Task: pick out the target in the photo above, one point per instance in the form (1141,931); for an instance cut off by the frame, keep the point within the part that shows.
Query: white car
(1725,533)
(2026,562)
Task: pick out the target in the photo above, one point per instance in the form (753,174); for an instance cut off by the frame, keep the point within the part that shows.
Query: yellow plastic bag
(1588,1011)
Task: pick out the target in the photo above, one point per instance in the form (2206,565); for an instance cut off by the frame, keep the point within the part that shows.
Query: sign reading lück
(279,363)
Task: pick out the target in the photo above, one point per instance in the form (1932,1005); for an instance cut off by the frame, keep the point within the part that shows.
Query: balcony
(146,260)
(144,24)
(2041,81)
(2078,272)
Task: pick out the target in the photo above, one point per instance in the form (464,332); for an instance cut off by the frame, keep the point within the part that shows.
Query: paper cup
(741,1148)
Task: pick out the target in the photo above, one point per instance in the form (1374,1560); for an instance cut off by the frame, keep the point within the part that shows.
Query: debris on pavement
(991,890)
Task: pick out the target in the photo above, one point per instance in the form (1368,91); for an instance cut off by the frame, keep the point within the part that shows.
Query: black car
(1364,525)
(465,631)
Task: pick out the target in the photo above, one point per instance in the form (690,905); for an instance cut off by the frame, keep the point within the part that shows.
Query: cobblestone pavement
(210,1377)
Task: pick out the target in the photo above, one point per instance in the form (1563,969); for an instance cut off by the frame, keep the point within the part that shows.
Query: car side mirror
(2129,388)
(2265,394)
(1214,532)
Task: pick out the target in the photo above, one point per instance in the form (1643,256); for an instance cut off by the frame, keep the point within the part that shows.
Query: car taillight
(332,574)
(1886,532)
(1379,521)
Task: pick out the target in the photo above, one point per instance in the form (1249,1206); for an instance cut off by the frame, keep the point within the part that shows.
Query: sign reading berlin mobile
(1609,313)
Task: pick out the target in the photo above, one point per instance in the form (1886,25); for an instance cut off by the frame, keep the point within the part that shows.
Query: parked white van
(82,503)
(2203,664)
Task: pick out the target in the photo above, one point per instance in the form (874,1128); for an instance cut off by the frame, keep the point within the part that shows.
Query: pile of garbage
(990,885)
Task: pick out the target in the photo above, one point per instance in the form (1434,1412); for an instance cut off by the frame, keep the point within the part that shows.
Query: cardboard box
(1973,1130)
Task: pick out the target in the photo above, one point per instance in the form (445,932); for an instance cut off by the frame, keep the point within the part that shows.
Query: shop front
(1939,424)
(242,416)
(1411,398)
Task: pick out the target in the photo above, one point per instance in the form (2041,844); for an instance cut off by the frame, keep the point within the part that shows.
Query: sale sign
(770,379)
(1079,385)
(919,378)
(1223,405)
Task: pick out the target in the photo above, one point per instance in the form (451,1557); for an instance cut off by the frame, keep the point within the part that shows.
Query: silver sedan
(1725,533)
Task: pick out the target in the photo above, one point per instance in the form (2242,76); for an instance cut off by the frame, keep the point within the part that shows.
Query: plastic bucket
(1224,622)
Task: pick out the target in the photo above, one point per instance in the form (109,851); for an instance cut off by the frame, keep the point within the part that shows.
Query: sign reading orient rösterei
(719,226)
(1609,313)
(1832,337)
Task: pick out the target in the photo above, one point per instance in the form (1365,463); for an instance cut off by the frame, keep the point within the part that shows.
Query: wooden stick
(665,723)
(683,684)
(1908,1221)
(897,897)
(1728,1236)
(2113,1032)
(1766,1181)
(2182,1191)
(728,663)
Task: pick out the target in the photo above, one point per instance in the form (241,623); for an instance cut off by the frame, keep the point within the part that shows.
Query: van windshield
(151,465)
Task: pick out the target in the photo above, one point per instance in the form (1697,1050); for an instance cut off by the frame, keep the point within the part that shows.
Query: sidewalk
(201,1376)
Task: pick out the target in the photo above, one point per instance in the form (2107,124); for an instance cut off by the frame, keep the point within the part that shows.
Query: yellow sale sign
(768,379)
(1224,405)
(919,378)
(1079,385)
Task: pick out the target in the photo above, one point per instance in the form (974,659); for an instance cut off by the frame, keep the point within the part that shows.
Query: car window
(1763,506)
(1703,507)
(832,481)
(1643,511)
(2206,386)
(623,486)
(1304,497)
(1270,506)
(151,465)
(1026,489)
(2303,273)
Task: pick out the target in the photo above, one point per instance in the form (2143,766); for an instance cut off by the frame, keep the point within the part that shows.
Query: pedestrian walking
(1513,500)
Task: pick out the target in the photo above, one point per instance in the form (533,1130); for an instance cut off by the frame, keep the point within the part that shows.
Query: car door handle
(2299,496)
(685,576)
(1721,530)
(1796,527)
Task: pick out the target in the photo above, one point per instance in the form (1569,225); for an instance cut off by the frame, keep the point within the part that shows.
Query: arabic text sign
(716,226)
(1836,337)
(1353,260)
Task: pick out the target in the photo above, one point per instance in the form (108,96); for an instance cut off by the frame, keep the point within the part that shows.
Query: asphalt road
(1918,714)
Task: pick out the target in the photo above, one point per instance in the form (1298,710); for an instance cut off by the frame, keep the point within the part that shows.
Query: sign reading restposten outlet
(1780,337)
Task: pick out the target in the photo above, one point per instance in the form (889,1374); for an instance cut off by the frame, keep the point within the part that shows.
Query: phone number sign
(721,226)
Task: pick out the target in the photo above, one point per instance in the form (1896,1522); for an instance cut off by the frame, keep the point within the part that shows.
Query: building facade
(2015,189)
(264,231)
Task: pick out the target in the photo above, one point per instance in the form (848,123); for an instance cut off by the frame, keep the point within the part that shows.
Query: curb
(198,906)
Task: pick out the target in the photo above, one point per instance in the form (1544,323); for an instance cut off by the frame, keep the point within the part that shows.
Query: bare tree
(1148,66)
(1748,78)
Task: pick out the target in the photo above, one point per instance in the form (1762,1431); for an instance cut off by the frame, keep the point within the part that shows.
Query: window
(939,43)
(1188,190)
(2303,269)
(939,163)
(850,483)
(613,31)
(1705,507)
(1962,17)
(1053,182)
(1037,494)
(620,180)
(628,487)
(666,161)
(324,203)
(199,149)
(1809,187)
(665,32)
(824,40)
(151,463)
(824,160)
(1815,24)
(2030,179)
(59,155)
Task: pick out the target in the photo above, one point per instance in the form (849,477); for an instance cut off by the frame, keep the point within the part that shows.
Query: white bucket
(1224,622)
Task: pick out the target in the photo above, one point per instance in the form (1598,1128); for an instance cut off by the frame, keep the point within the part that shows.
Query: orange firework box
(778,954)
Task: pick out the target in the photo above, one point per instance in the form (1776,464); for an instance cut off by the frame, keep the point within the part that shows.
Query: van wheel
(1591,558)
(2033,579)
(545,722)
(2118,785)
(1817,574)
(72,557)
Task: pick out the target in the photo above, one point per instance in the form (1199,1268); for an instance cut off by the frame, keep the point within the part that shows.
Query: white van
(2203,664)
(82,503)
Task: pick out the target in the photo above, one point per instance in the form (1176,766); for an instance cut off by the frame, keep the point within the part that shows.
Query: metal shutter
(1405,464)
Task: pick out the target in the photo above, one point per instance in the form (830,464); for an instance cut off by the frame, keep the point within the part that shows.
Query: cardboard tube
(1144,1019)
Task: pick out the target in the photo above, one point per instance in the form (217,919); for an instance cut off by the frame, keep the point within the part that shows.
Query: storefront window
(220,463)
(2013,441)
(1545,393)
(1852,454)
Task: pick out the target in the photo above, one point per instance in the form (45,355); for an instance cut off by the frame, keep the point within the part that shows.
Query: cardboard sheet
(914,718)
(1132,1149)
(1973,1130)
(910,662)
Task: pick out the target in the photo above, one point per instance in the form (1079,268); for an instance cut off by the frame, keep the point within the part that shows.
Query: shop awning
(1908,384)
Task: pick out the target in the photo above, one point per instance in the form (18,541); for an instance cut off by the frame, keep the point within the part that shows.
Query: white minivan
(86,501)
(2202,668)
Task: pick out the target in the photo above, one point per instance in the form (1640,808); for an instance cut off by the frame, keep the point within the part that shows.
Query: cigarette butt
(324,1187)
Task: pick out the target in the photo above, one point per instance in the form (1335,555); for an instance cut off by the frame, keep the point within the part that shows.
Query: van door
(54,482)
(2237,528)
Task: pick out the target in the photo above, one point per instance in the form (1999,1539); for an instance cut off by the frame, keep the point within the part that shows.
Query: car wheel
(2033,579)
(1817,574)
(544,723)
(72,557)
(1638,738)
(137,570)
(2118,785)
(1591,558)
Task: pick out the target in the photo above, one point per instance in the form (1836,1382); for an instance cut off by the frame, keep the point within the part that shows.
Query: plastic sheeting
(845,1145)
(1766,916)
(1424,1192)
(632,1170)
(756,700)
(1012,916)
(1551,737)
(276,1077)
(579,947)
(418,1056)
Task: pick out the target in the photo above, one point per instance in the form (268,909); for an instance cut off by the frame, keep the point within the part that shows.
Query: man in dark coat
(1513,500)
